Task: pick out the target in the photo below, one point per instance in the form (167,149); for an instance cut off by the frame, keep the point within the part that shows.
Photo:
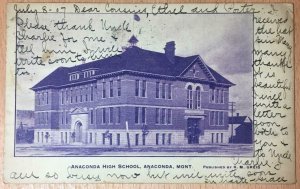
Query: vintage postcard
(156,93)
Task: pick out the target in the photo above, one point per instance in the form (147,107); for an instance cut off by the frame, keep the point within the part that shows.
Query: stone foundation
(119,137)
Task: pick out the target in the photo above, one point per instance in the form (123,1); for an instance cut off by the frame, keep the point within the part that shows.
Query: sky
(224,42)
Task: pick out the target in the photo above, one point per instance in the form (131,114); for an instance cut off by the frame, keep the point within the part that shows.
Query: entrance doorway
(193,130)
(78,131)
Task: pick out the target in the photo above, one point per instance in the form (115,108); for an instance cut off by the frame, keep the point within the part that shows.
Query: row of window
(216,95)
(43,137)
(42,98)
(75,95)
(217,138)
(113,115)
(160,138)
(86,74)
(65,138)
(193,98)
(42,118)
(86,93)
(163,90)
(216,118)
(108,115)
(163,116)
(64,117)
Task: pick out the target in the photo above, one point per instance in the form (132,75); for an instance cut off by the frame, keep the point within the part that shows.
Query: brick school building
(164,98)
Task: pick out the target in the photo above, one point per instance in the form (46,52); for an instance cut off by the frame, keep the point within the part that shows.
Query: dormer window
(88,73)
(74,76)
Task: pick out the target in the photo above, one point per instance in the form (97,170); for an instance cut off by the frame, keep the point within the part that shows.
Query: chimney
(237,114)
(170,51)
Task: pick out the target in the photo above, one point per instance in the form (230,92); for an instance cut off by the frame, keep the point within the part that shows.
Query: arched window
(189,97)
(197,103)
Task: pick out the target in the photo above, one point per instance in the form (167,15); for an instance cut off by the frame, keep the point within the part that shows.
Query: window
(111,115)
(222,96)
(221,118)
(119,87)
(118,117)
(136,117)
(71,96)
(157,90)
(143,115)
(144,87)
(47,117)
(66,117)
(91,137)
(103,90)
(62,97)
(76,91)
(163,116)
(103,115)
(88,73)
(92,116)
(157,115)
(163,90)
(144,139)
(221,137)
(198,93)
(80,94)
(62,117)
(212,137)
(169,116)
(111,89)
(86,94)
(110,139)
(137,87)
(169,138)
(163,138)
(217,95)
(62,137)
(136,139)
(38,137)
(98,116)
(212,113)
(92,93)
(74,77)
(212,95)
(169,91)
(47,98)
(118,139)
(67,96)
(38,98)
(217,118)
(157,138)
(217,138)
(189,97)
(43,99)
(103,138)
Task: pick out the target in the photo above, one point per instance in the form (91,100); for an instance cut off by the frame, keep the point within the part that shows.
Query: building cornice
(135,73)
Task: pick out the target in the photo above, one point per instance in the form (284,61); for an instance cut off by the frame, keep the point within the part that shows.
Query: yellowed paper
(156,93)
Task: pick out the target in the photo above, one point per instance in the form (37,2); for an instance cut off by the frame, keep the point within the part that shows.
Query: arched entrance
(78,131)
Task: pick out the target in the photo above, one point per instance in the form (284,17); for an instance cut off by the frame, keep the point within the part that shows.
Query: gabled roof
(133,59)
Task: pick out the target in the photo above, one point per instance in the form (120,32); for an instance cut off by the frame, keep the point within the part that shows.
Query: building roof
(238,119)
(132,60)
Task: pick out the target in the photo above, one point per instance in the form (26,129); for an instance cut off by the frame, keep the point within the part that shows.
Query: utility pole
(231,106)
